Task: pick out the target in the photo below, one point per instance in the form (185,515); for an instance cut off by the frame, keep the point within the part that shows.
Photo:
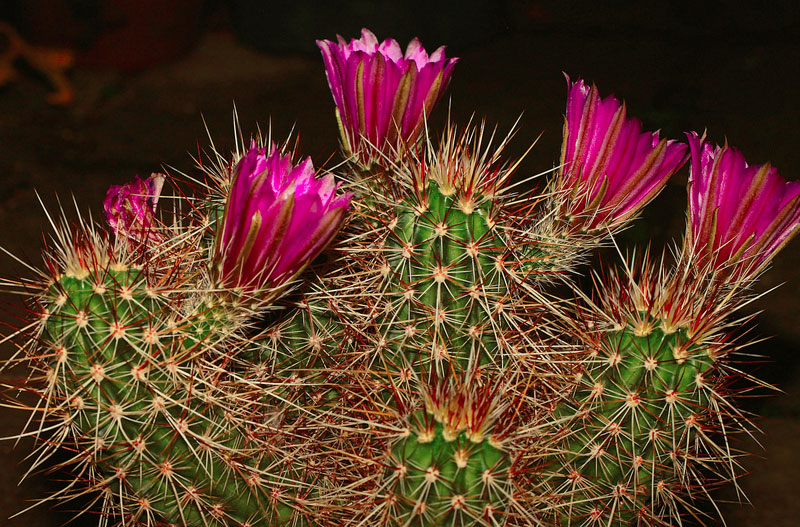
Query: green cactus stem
(164,438)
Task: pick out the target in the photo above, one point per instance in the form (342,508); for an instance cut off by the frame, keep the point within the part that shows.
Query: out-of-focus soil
(737,79)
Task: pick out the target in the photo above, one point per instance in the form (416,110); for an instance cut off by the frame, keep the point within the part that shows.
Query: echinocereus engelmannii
(423,374)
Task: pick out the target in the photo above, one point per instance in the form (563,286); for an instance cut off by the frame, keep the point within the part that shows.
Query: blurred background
(93,92)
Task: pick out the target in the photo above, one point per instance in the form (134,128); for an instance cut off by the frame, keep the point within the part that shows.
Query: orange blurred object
(120,35)
(52,63)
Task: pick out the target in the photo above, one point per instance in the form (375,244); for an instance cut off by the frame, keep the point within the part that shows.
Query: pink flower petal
(379,91)
(610,168)
(130,210)
(277,219)
(740,216)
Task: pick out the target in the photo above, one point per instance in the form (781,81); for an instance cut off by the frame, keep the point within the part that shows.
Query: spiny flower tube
(740,216)
(610,169)
(278,218)
(130,209)
(382,95)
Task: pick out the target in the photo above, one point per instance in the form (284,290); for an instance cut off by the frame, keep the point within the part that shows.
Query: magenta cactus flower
(610,169)
(130,209)
(382,95)
(277,219)
(740,216)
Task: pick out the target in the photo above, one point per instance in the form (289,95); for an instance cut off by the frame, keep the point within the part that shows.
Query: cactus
(281,352)
(160,433)
(649,419)
(449,466)
(647,432)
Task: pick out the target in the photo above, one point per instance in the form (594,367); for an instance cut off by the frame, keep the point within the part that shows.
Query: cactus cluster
(390,349)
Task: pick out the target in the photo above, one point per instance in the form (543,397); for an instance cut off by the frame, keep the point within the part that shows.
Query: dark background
(150,76)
